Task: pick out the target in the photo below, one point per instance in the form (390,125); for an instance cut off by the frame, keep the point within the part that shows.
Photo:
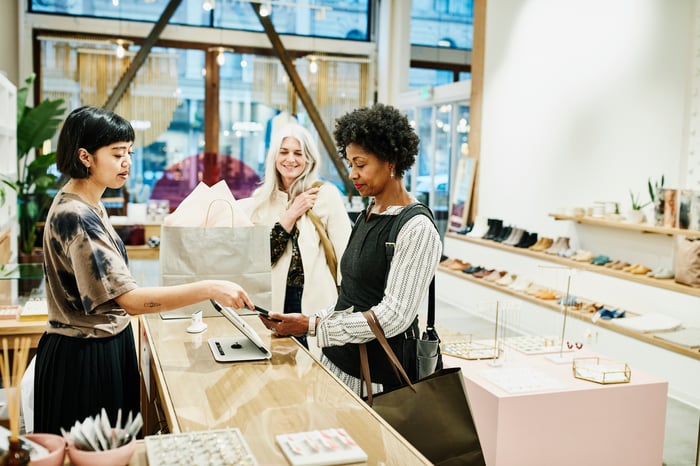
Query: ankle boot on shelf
(537,244)
(515,237)
(527,240)
(480,228)
(495,228)
(542,244)
(503,234)
(561,243)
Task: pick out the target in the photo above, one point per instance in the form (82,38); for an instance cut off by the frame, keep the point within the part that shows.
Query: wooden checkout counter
(186,390)
(291,392)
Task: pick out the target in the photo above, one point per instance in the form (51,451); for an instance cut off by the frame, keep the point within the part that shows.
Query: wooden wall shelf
(622,225)
(142,252)
(665,283)
(577,314)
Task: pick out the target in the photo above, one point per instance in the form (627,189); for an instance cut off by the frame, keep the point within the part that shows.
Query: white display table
(567,421)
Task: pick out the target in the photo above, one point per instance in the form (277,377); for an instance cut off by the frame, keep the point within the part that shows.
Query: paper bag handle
(206,217)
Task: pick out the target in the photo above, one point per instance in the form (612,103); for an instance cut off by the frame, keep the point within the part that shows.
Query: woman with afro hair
(379,145)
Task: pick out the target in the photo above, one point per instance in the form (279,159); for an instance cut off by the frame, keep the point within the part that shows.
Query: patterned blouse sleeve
(415,261)
(278,241)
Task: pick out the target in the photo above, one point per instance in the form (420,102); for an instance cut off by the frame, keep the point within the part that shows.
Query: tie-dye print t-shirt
(86,268)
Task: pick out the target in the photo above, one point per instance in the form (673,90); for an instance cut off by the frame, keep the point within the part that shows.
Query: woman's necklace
(98,209)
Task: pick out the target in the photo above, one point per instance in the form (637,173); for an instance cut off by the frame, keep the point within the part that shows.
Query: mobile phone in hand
(265,313)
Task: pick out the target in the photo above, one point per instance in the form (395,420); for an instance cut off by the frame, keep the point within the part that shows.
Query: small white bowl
(115,457)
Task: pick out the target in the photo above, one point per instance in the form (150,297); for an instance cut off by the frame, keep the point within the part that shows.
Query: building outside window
(166,103)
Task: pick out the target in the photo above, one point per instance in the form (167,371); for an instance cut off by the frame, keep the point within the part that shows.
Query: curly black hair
(381,130)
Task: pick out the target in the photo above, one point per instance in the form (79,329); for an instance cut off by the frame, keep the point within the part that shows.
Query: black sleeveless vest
(364,269)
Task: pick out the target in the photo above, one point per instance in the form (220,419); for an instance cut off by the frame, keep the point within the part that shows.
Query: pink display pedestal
(567,421)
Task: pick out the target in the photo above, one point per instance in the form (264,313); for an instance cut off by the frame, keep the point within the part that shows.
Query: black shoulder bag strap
(405,215)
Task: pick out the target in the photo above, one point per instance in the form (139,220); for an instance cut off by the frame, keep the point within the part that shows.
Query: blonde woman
(290,193)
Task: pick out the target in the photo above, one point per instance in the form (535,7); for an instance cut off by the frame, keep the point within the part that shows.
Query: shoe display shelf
(637,295)
(622,225)
(666,283)
(577,313)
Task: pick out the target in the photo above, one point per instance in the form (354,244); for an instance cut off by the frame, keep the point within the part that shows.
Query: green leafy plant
(636,205)
(655,187)
(33,179)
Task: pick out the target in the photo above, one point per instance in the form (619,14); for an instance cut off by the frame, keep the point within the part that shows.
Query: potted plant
(33,179)
(636,215)
(656,191)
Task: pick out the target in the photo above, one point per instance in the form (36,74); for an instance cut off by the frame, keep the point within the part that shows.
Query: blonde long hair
(272,181)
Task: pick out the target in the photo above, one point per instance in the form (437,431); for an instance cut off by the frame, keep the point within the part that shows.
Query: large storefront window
(443,130)
(443,23)
(166,105)
(317,18)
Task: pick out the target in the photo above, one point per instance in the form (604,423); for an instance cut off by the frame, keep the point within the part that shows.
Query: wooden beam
(141,55)
(305,98)
(212,169)
(476,99)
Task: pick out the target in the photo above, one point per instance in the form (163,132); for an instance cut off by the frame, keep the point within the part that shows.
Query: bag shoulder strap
(407,213)
(364,362)
(328,249)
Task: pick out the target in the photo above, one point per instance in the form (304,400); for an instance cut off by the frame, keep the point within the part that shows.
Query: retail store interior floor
(682,429)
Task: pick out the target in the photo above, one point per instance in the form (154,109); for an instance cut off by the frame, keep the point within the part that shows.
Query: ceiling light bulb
(313,66)
(265,9)
(121,51)
(244,63)
(208,5)
(221,58)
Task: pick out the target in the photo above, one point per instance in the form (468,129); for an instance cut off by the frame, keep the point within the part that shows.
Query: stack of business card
(321,447)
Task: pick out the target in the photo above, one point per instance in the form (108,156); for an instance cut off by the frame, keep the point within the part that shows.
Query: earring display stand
(560,357)
(470,348)
(498,345)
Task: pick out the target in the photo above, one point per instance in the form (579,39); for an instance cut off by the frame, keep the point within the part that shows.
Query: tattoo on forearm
(152,305)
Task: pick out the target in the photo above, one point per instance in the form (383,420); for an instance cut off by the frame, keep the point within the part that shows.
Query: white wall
(583,101)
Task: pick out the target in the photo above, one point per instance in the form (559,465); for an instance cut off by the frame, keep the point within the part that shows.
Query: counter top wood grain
(291,392)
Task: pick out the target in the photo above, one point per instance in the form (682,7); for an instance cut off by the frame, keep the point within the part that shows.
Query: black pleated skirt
(77,377)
